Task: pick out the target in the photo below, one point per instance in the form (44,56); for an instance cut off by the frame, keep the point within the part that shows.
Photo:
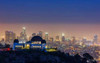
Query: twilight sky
(50,11)
(80,18)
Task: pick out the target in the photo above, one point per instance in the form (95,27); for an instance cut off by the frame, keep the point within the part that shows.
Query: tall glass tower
(46,36)
(23,36)
(63,37)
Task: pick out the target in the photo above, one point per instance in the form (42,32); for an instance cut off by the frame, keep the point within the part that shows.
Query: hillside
(36,56)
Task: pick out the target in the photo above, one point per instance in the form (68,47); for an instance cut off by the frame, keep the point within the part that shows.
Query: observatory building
(35,43)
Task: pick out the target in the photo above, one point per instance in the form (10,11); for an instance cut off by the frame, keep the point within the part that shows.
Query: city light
(24,28)
(63,34)
(50,31)
(46,32)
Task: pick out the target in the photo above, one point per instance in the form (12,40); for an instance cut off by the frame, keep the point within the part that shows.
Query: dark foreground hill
(36,56)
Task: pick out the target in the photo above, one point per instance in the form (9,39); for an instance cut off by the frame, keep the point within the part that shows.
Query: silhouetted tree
(78,58)
(89,58)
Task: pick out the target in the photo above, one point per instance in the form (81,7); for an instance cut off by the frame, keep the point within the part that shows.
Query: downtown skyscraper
(9,36)
(46,36)
(23,36)
(40,33)
(63,37)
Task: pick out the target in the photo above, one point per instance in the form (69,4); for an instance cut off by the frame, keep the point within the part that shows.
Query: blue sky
(50,11)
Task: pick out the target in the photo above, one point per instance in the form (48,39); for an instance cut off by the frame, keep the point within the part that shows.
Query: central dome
(36,38)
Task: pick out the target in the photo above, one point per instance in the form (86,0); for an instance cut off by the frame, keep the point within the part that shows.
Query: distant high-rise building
(73,40)
(10,36)
(34,34)
(63,37)
(95,40)
(84,40)
(51,39)
(57,38)
(40,33)
(46,36)
(2,41)
(23,36)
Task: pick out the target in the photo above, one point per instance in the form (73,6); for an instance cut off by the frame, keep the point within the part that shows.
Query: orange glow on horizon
(77,30)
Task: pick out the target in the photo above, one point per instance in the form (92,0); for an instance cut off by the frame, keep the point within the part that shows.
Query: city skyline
(74,18)
(79,31)
(49,31)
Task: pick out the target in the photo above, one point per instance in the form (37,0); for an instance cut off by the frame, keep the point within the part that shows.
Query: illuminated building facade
(23,36)
(63,37)
(84,40)
(10,36)
(34,34)
(46,36)
(35,43)
(74,40)
(57,38)
(40,33)
(95,40)
(51,39)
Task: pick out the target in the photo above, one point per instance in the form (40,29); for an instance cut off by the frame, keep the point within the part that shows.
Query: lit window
(37,42)
(27,45)
(18,46)
(36,46)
